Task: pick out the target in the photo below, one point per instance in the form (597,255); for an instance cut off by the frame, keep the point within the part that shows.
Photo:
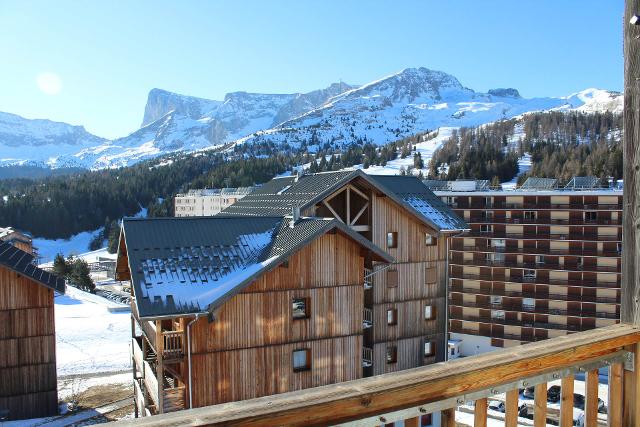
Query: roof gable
(280,195)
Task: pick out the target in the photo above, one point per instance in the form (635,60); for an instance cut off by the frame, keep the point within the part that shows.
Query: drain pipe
(189,355)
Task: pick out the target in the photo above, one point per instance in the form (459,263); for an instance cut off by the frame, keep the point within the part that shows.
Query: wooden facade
(247,350)
(421,282)
(28,381)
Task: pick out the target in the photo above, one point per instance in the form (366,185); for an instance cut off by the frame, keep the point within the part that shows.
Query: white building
(207,202)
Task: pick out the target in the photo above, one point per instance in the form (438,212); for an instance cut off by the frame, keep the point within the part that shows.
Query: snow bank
(89,338)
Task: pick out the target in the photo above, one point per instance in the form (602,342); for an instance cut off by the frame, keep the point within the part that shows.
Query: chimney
(295,217)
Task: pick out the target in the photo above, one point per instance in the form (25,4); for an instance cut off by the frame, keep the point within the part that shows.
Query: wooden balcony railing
(367,318)
(173,345)
(407,395)
(367,357)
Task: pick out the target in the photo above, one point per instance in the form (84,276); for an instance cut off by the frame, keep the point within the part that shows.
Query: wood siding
(247,351)
(422,275)
(27,348)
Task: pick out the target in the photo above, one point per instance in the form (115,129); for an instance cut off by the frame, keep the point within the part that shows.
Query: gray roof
(22,263)
(280,195)
(533,183)
(191,265)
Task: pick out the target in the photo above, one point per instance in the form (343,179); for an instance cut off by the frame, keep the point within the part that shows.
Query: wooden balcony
(407,395)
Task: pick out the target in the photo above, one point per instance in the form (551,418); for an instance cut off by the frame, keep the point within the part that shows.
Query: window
(392,354)
(392,278)
(429,312)
(497,314)
(429,348)
(392,239)
(619,247)
(591,216)
(392,317)
(300,308)
(530,215)
(430,240)
(529,274)
(498,243)
(528,304)
(488,202)
(495,299)
(431,275)
(301,360)
(486,228)
(540,259)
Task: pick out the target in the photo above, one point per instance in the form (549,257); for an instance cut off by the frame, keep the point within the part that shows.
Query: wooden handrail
(387,393)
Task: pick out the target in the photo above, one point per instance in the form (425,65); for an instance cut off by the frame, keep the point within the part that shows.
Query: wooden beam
(336,216)
(160,365)
(480,413)
(360,227)
(631,155)
(359,193)
(631,390)
(353,400)
(540,409)
(359,214)
(511,409)
(566,401)
(591,402)
(614,409)
(348,221)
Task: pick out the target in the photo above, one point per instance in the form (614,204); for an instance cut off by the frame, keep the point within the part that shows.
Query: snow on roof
(435,215)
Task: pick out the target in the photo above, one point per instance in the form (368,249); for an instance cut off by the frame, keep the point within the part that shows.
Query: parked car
(497,405)
(553,394)
(529,392)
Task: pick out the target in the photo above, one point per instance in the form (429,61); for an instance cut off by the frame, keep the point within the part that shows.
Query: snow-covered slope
(411,101)
(40,142)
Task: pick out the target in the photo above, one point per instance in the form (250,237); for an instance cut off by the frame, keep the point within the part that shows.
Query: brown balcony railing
(543,221)
(535,295)
(407,395)
(457,246)
(534,310)
(457,260)
(545,236)
(538,280)
(521,323)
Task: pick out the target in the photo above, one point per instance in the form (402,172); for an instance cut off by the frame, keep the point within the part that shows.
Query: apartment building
(306,281)
(539,262)
(207,202)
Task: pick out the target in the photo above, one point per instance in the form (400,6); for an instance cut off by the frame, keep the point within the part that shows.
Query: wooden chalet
(307,281)
(28,380)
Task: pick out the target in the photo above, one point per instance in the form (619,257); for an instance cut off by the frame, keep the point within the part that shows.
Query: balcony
(535,310)
(367,318)
(544,221)
(172,340)
(455,260)
(457,247)
(521,323)
(538,280)
(407,395)
(367,357)
(368,278)
(545,236)
(536,295)
(147,391)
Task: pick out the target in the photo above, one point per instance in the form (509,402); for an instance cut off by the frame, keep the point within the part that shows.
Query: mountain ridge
(395,106)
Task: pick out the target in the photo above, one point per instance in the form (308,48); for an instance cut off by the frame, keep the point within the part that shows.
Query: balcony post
(160,365)
(630,312)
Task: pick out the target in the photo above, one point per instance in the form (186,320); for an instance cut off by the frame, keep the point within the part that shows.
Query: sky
(92,63)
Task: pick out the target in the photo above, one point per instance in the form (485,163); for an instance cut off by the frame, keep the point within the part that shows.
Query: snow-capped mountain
(416,100)
(35,142)
(411,101)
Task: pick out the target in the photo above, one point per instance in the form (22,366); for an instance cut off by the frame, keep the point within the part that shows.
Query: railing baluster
(566,402)
(540,410)
(449,417)
(480,413)
(614,412)
(511,406)
(591,404)
(412,422)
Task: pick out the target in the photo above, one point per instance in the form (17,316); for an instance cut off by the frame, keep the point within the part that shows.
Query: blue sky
(108,55)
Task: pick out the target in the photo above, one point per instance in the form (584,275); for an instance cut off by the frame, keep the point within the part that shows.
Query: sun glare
(49,83)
